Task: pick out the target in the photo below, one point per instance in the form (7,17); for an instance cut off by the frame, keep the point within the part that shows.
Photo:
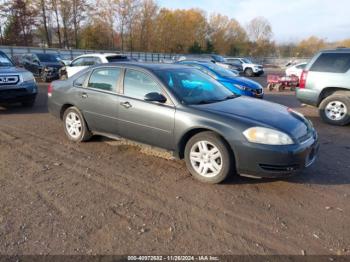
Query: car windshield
(247,61)
(47,57)
(193,87)
(222,72)
(219,59)
(4,61)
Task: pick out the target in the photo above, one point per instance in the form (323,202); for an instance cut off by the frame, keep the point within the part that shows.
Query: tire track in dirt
(195,210)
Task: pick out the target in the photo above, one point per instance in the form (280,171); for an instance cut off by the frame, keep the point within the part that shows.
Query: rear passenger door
(147,122)
(98,100)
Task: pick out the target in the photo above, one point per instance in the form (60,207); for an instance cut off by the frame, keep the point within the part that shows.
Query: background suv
(17,85)
(42,65)
(325,83)
(249,68)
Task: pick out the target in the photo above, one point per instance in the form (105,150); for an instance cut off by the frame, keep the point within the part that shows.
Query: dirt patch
(104,197)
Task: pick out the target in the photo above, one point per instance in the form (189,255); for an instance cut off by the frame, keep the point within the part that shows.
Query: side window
(79,82)
(78,62)
(105,78)
(138,84)
(90,61)
(332,63)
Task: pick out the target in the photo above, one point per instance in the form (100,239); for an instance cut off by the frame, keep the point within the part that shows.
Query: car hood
(241,81)
(11,70)
(261,113)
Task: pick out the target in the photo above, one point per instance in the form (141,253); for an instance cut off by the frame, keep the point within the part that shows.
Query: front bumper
(275,161)
(258,71)
(20,93)
(51,74)
(307,96)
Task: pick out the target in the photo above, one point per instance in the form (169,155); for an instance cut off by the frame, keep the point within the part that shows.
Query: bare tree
(54,6)
(42,4)
(65,8)
(259,29)
(126,12)
(148,15)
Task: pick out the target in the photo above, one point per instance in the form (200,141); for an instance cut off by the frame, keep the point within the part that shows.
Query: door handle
(126,104)
(84,95)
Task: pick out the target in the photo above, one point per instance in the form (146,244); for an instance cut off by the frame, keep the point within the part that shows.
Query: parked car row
(242,65)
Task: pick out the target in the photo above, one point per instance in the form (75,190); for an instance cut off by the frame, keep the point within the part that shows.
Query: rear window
(117,58)
(332,63)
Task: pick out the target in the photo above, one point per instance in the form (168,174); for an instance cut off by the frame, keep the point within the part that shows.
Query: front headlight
(244,88)
(27,76)
(267,136)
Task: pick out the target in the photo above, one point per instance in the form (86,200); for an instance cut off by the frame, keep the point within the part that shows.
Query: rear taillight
(49,90)
(303,77)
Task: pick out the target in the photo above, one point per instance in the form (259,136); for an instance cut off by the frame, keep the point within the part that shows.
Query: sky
(291,20)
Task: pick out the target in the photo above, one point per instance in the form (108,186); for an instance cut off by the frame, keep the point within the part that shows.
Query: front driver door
(98,100)
(147,122)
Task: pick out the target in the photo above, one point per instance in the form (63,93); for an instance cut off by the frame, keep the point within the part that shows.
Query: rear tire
(335,110)
(208,158)
(75,126)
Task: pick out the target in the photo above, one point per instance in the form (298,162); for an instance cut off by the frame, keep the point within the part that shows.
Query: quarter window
(79,82)
(104,79)
(332,63)
(138,84)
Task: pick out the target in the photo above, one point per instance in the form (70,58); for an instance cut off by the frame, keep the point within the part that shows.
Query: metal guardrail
(70,54)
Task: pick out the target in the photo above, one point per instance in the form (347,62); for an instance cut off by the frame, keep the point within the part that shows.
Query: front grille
(258,91)
(9,80)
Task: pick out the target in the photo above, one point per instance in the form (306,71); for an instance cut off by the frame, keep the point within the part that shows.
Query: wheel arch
(328,91)
(180,150)
(64,108)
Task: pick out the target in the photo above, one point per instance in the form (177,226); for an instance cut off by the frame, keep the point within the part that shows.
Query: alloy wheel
(336,110)
(206,159)
(73,125)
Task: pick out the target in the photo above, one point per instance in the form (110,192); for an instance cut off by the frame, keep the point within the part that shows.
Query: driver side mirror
(155,97)
(36,61)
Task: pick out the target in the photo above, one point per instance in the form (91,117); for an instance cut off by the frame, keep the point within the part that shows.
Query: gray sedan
(185,111)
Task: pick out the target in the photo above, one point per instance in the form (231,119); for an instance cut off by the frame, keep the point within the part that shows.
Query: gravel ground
(105,197)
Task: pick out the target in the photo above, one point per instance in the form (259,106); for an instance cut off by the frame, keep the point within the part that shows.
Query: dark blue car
(231,80)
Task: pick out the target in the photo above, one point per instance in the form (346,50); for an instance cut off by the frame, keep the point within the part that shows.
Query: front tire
(335,110)
(75,126)
(249,72)
(208,158)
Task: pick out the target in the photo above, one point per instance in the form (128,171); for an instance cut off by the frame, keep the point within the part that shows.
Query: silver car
(325,83)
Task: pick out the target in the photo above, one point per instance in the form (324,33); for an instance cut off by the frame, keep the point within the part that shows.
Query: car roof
(201,62)
(147,66)
(337,50)
(101,55)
